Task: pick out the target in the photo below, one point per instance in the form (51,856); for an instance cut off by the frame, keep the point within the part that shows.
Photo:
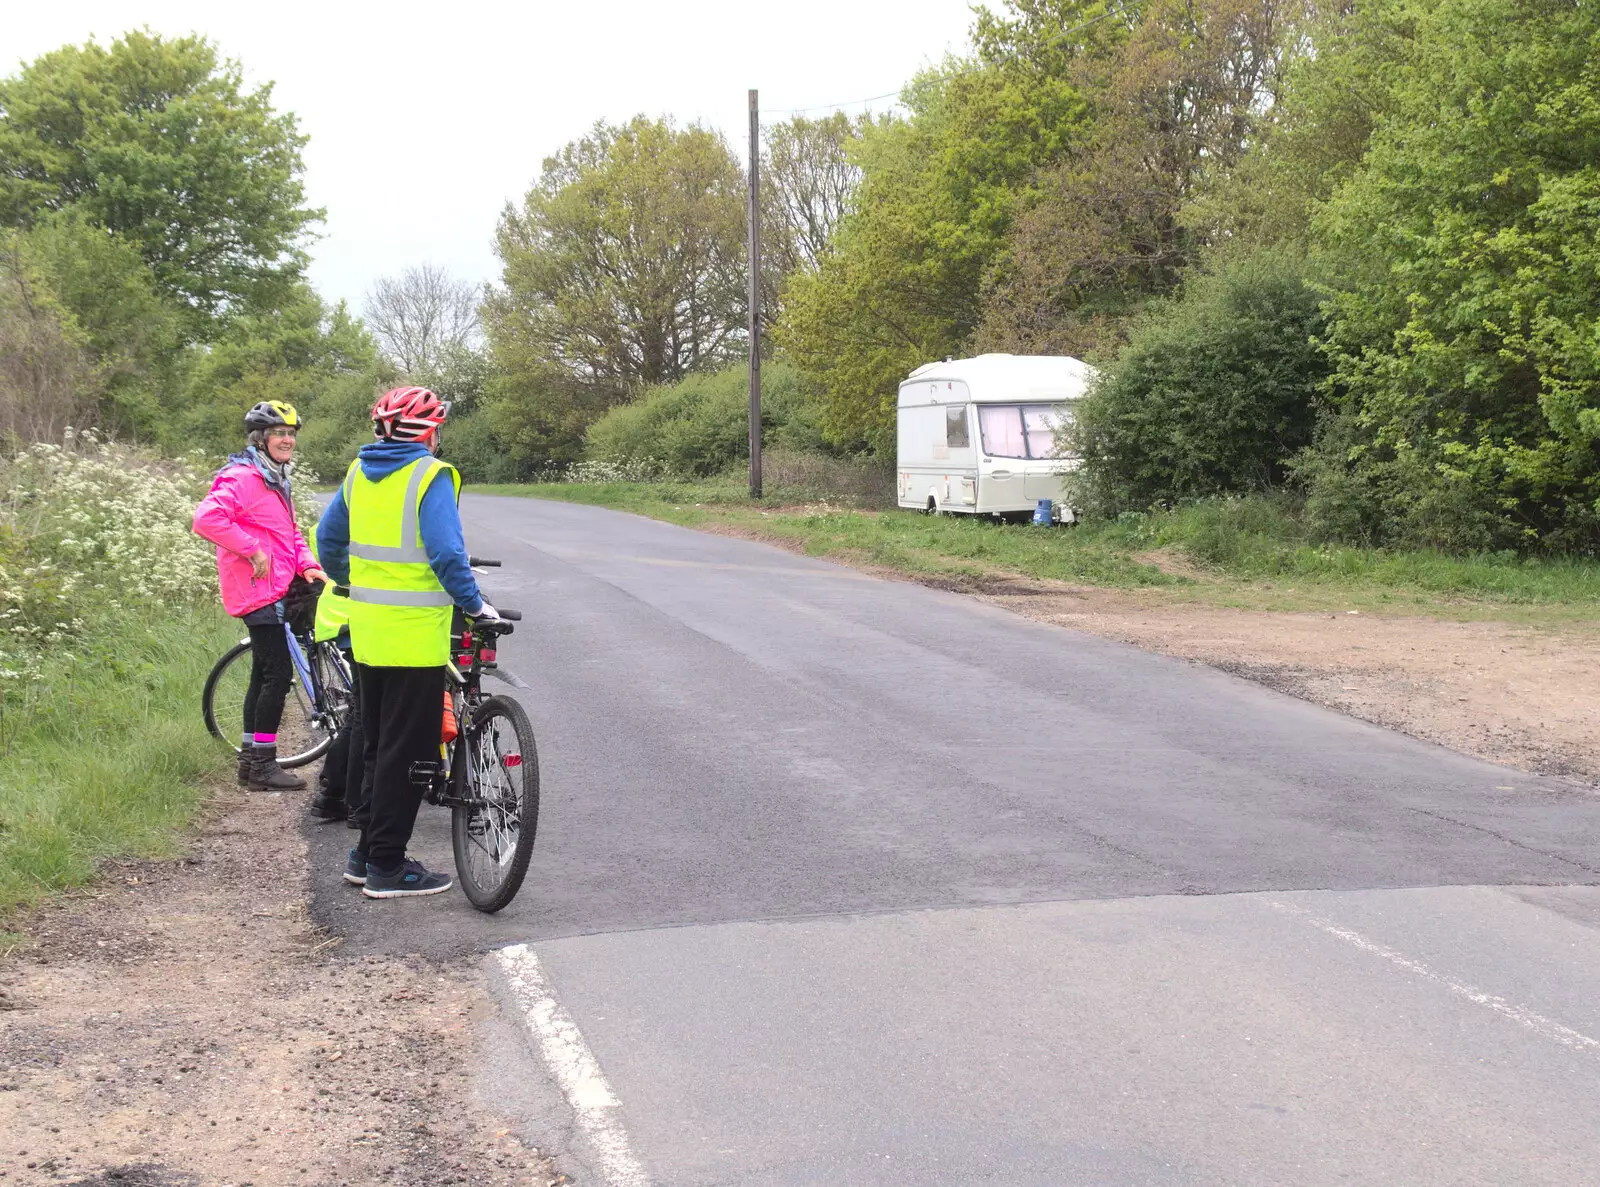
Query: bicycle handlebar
(478,562)
(343,591)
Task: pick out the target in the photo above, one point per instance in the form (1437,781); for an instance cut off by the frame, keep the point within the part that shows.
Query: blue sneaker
(355,869)
(406,879)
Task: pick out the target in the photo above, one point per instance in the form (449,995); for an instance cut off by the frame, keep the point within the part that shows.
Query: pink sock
(266,739)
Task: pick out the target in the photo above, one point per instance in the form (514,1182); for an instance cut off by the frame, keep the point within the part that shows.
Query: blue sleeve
(440,523)
(333,539)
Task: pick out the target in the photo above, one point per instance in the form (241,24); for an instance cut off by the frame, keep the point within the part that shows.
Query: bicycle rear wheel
(496,817)
(304,735)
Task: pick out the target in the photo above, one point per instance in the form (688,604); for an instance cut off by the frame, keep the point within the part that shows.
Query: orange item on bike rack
(450,727)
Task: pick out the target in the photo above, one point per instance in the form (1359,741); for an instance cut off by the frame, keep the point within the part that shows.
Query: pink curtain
(1002,430)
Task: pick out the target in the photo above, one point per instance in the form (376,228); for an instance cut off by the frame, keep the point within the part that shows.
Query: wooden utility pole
(755,296)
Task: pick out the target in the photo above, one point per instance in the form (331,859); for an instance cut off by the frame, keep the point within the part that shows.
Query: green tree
(623,267)
(158,141)
(131,331)
(807,182)
(1177,90)
(902,282)
(1467,289)
(48,376)
(321,360)
(1215,393)
(1338,75)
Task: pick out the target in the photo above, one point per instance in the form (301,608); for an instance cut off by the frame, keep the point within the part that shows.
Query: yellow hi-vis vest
(332,612)
(399,613)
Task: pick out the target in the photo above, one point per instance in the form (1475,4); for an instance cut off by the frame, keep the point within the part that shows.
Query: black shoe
(355,868)
(329,807)
(246,761)
(406,879)
(267,775)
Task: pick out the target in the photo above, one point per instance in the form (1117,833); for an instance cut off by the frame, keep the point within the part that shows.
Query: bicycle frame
(448,787)
(309,679)
(302,667)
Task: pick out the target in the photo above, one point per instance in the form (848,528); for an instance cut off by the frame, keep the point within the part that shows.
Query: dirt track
(1515,695)
(184,1024)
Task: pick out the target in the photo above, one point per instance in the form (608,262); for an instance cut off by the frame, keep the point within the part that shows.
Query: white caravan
(977,436)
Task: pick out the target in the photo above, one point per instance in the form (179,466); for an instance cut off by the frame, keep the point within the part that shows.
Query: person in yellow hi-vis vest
(339,785)
(392,533)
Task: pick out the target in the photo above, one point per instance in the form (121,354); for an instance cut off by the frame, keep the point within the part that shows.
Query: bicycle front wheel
(304,735)
(497,810)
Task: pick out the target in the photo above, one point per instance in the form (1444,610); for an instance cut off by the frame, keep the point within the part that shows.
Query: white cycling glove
(485,611)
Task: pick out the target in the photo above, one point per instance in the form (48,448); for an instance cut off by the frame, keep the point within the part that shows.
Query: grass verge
(1250,554)
(107,760)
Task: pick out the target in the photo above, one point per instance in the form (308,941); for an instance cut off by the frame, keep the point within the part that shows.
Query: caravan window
(1001,425)
(1020,430)
(1040,422)
(955,426)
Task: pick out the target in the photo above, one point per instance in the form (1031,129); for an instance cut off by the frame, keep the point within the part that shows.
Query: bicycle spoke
(494,825)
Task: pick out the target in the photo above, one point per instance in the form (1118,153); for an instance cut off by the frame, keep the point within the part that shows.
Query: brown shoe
(267,775)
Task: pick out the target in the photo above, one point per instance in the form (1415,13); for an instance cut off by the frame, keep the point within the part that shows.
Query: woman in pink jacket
(249,516)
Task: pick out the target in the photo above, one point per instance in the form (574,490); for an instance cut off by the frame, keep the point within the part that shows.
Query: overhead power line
(1129,6)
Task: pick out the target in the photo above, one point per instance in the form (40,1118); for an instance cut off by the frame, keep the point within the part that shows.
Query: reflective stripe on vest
(400,597)
(399,613)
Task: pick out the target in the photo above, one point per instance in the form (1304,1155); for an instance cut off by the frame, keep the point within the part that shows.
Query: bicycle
(489,775)
(313,713)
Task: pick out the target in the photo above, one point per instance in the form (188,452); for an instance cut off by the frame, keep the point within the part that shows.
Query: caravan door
(1039,424)
(1005,453)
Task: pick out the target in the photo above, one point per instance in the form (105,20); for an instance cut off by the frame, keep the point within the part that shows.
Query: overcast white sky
(425,118)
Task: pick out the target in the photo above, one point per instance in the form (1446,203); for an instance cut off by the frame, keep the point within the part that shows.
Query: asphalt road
(842,880)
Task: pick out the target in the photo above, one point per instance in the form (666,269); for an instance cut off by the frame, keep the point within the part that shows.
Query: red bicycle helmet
(408,414)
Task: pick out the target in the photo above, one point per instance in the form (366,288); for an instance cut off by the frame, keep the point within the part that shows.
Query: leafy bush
(1462,325)
(108,624)
(471,446)
(700,426)
(91,531)
(1214,393)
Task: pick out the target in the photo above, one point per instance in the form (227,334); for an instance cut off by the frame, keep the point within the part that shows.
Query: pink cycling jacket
(240,515)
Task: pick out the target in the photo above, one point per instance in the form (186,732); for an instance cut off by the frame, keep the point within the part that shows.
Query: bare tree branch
(422,316)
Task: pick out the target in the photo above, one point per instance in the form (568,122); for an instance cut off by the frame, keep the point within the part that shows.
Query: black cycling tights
(270,673)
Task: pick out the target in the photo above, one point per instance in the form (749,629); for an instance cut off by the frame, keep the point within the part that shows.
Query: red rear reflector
(486,654)
(511,760)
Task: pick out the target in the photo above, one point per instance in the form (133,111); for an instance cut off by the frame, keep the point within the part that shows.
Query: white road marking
(573,1065)
(1547,1027)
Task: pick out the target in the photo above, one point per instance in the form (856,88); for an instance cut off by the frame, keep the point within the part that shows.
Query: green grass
(108,761)
(1248,553)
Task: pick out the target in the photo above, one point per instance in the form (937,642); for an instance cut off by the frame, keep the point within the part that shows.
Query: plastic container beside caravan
(977,436)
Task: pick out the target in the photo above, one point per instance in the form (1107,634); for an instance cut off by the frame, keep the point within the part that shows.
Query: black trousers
(401,712)
(346,761)
(271,670)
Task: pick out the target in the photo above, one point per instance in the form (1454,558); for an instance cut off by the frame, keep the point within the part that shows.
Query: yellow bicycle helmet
(270,414)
